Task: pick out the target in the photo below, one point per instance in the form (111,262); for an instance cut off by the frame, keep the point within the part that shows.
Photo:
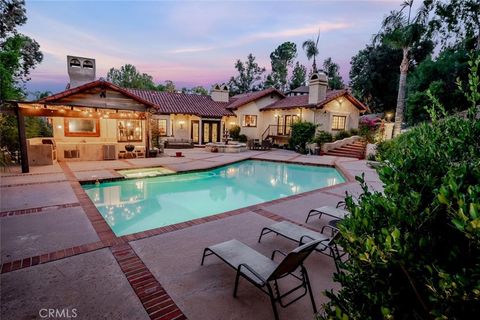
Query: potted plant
(214,149)
(129,147)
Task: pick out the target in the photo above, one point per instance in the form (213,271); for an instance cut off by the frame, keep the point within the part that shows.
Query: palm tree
(402,31)
(311,50)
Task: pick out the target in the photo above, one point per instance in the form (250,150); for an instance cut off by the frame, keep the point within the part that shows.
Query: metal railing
(277,130)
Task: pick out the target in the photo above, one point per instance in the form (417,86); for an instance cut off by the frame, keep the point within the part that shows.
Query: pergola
(94,100)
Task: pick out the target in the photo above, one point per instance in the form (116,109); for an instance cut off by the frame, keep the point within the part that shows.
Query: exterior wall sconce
(389,116)
(232,123)
(181,123)
(275,115)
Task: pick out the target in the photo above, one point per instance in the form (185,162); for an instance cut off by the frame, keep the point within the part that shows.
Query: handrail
(268,131)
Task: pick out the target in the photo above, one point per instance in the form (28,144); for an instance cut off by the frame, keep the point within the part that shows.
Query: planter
(152,153)
(129,147)
(178,154)
(214,149)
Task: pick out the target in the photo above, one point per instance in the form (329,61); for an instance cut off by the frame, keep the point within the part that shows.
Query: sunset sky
(193,42)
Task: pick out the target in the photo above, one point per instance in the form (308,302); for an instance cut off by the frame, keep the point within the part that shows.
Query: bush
(323,137)
(234,132)
(302,132)
(414,251)
(342,135)
(242,138)
(353,132)
(368,128)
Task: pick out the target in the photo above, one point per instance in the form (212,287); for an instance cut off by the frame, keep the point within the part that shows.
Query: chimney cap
(319,76)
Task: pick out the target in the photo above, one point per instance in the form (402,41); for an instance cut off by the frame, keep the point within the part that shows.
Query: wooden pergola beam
(44,112)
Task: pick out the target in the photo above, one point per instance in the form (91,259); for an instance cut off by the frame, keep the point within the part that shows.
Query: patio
(58,252)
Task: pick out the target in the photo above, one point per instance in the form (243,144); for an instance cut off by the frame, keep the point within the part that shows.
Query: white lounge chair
(335,213)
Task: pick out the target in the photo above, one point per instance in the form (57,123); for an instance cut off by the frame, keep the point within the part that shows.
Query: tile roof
(241,99)
(167,102)
(301,101)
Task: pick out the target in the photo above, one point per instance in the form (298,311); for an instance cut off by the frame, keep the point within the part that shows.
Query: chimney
(317,88)
(80,70)
(219,93)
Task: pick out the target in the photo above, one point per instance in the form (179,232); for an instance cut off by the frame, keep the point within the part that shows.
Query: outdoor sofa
(177,143)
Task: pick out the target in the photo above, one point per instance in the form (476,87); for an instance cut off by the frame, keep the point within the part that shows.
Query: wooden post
(148,133)
(22,140)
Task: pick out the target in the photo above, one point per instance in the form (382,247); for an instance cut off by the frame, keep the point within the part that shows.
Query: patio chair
(263,272)
(336,213)
(327,245)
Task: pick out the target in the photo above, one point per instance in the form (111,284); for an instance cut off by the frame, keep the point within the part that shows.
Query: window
(81,127)
(162,127)
(249,121)
(129,130)
(338,122)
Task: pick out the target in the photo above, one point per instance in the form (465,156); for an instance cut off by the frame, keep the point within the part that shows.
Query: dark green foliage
(374,76)
(342,135)
(299,76)
(234,132)
(302,132)
(353,132)
(281,59)
(332,69)
(414,251)
(248,78)
(242,138)
(128,77)
(323,137)
(439,77)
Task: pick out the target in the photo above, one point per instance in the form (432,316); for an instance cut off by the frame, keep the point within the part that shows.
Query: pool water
(135,205)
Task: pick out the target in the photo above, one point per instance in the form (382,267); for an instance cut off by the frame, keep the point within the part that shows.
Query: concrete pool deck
(58,252)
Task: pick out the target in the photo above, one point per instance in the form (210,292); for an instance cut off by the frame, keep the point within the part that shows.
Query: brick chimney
(219,93)
(317,88)
(80,70)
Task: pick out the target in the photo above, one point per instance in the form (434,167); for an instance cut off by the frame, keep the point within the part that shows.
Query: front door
(211,131)
(195,131)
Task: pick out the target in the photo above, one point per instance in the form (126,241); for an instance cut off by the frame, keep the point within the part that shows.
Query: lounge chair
(299,234)
(336,213)
(262,271)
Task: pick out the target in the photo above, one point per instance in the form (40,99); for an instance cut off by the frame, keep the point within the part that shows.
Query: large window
(249,121)
(129,130)
(82,127)
(338,122)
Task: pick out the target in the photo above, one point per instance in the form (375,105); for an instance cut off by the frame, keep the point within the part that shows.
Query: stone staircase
(353,150)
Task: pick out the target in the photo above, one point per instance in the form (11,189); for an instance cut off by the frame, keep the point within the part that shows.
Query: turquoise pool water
(135,205)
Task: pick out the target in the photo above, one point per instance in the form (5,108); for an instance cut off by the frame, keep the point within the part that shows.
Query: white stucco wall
(253,108)
(338,107)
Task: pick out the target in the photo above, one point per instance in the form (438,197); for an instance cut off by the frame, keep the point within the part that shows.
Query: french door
(285,124)
(195,126)
(211,131)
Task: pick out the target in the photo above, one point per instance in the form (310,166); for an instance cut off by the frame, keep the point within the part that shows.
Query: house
(93,114)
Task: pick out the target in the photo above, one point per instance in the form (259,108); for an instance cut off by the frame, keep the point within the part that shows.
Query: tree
(19,54)
(331,69)
(128,77)
(311,50)
(199,90)
(374,76)
(402,31)
(457,22)
(249,75)
(437,76)
(170,86)
(299,76)
(281,59)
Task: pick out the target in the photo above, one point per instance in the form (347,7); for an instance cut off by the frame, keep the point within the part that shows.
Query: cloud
(310,30)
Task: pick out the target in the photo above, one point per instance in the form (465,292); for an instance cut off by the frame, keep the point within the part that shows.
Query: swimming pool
(135,205)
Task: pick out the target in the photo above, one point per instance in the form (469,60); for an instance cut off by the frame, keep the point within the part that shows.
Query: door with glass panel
(195,131)
(211,131)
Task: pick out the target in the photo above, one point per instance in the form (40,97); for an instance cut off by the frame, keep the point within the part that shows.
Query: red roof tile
(167,102)
(302,101)
(242,99)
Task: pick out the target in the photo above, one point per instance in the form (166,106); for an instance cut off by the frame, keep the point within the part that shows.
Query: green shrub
(302,132)
(414,251)
(353,132)
(323,137)
(234,132)
(342,135)
(367,128)
(242,138)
